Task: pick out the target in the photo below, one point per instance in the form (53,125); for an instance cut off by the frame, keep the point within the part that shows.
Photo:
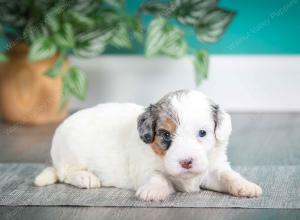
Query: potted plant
(36,79)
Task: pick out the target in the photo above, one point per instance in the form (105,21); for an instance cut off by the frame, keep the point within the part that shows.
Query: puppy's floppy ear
(146,125)
(223,126)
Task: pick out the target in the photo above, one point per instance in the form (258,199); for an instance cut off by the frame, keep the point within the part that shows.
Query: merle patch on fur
(215,113)
(155,114)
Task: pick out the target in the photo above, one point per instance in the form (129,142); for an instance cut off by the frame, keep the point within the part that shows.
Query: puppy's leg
(82,179)
(158,188)
(229,181)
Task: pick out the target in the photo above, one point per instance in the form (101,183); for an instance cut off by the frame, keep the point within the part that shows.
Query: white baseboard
(237,82)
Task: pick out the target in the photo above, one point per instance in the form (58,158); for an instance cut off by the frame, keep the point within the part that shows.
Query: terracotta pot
(27,96)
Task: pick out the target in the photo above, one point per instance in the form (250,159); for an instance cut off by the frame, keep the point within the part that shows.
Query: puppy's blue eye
(202,133)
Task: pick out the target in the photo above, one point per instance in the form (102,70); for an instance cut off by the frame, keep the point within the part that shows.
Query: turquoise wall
(260,27)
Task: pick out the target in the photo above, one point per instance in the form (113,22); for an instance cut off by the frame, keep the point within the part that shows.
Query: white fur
(46,177)
(101,146)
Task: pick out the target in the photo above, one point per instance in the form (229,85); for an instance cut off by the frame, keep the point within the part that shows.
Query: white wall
(237,82)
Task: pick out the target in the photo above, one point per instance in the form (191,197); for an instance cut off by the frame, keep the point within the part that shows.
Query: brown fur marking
(157,148)
(169,125)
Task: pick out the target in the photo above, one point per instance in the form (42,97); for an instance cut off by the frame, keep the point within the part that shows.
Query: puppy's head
(182,128)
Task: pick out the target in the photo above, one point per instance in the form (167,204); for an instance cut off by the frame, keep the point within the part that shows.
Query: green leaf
(33,31)
(65,36)
(201,65)
(55,70)
(81,20)
(121,37)
(98,35)
(165,39)
(83,6)
(175,45)
(29,33)
(213,25)
(198,4)
(138,35)
(191,12)
(76,82)
(156,37)
(156,8)
(42,48)
(115,3)
(137,31)
(52,20)
(3,58)
(91,44)
(89,49)
(65,93)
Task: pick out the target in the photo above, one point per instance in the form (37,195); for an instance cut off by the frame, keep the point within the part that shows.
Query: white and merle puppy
(177,144)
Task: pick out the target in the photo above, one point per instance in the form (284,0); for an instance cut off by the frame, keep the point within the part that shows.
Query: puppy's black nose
(186,164)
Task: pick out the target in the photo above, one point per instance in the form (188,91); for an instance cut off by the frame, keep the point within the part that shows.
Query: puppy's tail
(47,177)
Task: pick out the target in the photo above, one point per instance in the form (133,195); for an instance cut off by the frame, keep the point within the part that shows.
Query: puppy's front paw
(244,188)
(86,180)
(153,192)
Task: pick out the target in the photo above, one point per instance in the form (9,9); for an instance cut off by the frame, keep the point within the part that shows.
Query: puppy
(177,144)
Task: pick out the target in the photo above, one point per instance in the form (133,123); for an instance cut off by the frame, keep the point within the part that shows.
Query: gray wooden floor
(258,139)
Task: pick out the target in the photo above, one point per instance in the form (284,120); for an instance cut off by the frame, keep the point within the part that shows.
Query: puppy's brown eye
(165,138)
